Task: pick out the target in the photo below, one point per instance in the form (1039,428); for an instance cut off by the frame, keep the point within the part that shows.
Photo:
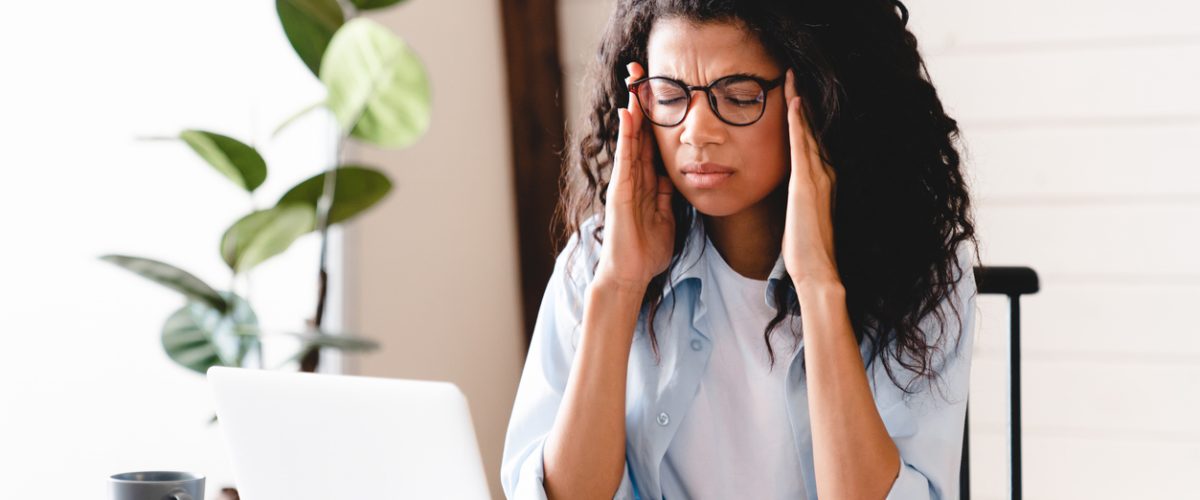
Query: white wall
(433,270)
(1082,122)
(85,388)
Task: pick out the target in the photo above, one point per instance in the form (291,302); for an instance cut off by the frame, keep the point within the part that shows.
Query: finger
(789,89)
(810,143)
(622,155)
(646,158)
(645,153)
(640,145)
(821,173)
(811,152)
(636,146)
(635,73)
(796,130)
(823,179)
(664,194)
(821,168)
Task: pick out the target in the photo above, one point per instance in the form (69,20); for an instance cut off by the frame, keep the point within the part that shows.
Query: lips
(706,168)
(706,175)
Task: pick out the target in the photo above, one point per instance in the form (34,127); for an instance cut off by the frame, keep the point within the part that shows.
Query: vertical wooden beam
(536,118)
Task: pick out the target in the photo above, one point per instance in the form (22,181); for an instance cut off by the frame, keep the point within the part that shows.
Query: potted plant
(377,92)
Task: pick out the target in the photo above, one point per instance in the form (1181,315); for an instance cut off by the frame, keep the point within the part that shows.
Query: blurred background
(1081,125)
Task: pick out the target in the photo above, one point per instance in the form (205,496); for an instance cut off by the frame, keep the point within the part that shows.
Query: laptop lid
(299,436)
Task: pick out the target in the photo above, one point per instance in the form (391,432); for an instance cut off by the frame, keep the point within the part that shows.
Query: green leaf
(338,341)
(299,114)
(171,277)
(264,234)
(374,4)
(239,162)
(309,26)
(377,88)
(248,341)
(357,189)
(198,337)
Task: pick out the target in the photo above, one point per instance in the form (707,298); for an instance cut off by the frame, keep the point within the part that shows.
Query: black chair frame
(1012,282)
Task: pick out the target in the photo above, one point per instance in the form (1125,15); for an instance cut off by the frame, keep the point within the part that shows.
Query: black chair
(1013,282)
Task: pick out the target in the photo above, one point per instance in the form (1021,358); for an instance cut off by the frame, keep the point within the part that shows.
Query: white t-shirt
(736,441)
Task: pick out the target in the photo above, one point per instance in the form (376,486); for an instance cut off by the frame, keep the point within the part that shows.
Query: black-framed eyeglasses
(738,99)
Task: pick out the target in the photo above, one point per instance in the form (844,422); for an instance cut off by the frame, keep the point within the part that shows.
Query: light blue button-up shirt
(927,427)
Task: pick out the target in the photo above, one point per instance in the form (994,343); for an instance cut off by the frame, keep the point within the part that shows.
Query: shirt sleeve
(544,377)
(927,426)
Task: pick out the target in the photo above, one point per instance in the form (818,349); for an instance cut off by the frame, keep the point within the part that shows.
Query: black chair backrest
(1012,282)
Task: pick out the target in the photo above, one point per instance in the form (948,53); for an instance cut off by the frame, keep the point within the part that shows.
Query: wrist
(814,288)
(611,285)
(612,307)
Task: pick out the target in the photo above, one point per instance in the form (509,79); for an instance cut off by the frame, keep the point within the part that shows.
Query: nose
(701,126)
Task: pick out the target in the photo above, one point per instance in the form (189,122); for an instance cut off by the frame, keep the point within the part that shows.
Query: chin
(716,204)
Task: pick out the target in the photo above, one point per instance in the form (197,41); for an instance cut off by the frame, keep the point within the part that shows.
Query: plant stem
(312,357)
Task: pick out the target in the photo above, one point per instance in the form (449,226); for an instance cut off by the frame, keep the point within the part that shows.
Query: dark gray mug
(156,485)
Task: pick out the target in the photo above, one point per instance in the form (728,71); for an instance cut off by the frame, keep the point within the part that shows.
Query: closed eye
(742,102)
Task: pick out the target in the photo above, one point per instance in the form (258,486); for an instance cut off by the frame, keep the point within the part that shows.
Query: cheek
(765,153)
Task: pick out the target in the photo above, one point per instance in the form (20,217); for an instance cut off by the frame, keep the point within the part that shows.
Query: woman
(782,179)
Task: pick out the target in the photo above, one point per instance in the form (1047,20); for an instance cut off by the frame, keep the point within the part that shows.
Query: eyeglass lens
(738,100)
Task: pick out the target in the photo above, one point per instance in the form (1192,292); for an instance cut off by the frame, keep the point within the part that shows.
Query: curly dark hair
(902,204)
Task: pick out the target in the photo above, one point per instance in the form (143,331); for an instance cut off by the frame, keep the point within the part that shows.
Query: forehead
(698,53)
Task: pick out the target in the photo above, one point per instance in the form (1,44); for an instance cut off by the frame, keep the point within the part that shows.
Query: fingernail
(629,68)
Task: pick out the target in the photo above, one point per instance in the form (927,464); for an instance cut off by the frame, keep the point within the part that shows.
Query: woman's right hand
(639,227)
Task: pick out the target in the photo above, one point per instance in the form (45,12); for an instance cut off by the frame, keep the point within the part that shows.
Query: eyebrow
(743,75)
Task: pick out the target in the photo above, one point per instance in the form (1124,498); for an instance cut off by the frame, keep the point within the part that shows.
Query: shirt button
(663,418)
(696,345)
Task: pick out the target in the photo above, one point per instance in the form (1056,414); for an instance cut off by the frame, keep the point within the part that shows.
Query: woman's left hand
(808,252)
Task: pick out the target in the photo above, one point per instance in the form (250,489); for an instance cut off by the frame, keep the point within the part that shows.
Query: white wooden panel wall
(1082,123)
(1081,127)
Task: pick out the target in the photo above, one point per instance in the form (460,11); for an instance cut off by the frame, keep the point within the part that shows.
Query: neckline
(720,262)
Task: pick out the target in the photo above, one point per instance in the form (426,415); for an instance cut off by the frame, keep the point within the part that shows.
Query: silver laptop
(300,436)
